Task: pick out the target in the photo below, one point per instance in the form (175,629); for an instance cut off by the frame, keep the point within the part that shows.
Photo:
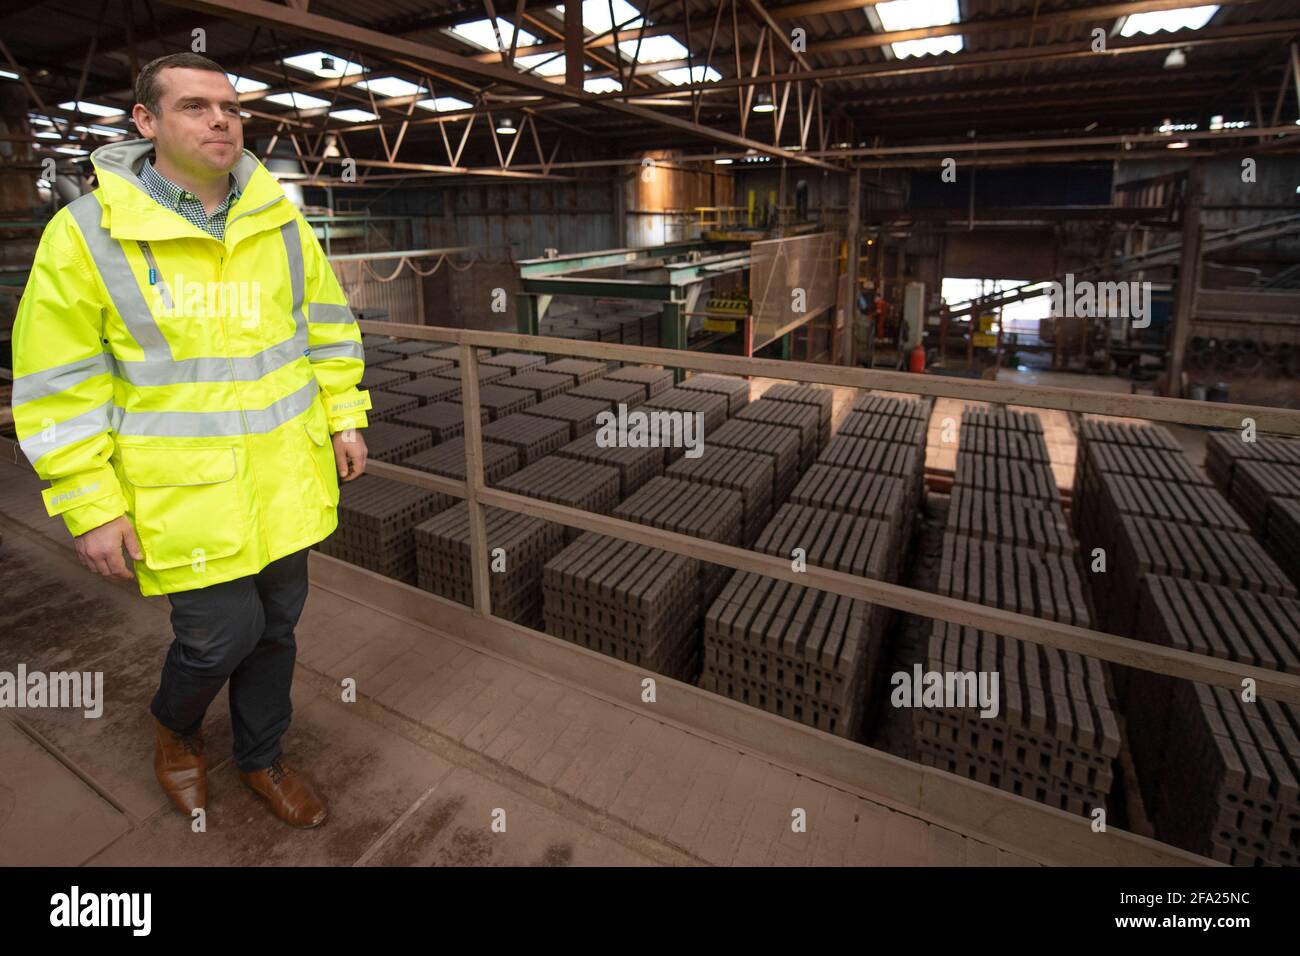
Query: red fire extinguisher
(916,359)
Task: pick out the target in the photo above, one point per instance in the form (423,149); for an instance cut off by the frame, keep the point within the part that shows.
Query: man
(185,376)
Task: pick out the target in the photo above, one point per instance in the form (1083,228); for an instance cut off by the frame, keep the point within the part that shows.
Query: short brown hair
(147,88)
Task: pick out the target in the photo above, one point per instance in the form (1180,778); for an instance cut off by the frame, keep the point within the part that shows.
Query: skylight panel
(547,64)
(602,84)
(481,34)
(243,84)
(442,104)
(1157,21)
(389,86)
(696,74)
(658,49)
(91,109)
(914,14)
(595,16)
(303,101)
(324,65)
(353,115)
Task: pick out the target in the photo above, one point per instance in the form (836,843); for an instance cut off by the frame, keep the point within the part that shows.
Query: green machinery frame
(688,265)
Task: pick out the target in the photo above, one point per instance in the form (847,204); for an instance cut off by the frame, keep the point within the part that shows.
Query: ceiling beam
(384,46)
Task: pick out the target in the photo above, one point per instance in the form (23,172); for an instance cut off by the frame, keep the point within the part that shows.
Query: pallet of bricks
(1218,774)
(524,453)
(1260,475)
(638,603)
(1055,736)
(805,654)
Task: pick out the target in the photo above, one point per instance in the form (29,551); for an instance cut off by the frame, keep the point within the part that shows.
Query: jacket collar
(130,212)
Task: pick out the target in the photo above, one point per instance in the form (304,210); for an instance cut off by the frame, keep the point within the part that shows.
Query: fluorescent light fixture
(6,75)
(243,84)
(442,104)
(70,150)
(657,49)
(914,14)
(1184,18)
(48,134)
(389,86)
(543,64)
(91,109)
(354,115)
(1181,144)
(480,34)
(763,104)
(722,162)
(324,65)
(1168,127)
(696,74)
(506,126)
(602,84)
(303,101)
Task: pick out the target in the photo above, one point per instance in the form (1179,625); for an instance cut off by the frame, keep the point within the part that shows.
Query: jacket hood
(128,204)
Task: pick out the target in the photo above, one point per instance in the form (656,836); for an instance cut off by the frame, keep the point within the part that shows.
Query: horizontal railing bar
(1119,650)
(1180,411)
(421,479)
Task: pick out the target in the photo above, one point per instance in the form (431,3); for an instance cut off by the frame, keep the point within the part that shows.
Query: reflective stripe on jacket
(187,382)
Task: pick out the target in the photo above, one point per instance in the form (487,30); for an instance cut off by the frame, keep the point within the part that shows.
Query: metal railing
(1109,647)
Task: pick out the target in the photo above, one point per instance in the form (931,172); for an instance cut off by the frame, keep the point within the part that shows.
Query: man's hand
(100,549)
(349,453)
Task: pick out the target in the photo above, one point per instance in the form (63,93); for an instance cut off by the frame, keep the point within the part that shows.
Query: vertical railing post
(474,478)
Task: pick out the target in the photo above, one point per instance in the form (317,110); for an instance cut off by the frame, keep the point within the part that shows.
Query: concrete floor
(442,738)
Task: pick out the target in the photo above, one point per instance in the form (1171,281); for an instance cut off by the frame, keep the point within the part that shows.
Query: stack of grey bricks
(448,459)
(822,399)
(708,410)
(532,436)
(1262,478)
(748,473)
(630,601)
(377,518)
(805,654)
(1216,772)
(500,400)
(1055,735)
(808,655)
(567,481)
(699,510)
(442,420)
(518,546)
(389,441)
(734,389)
(635,466)
(651,378)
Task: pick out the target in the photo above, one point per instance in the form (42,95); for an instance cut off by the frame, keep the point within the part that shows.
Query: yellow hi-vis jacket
(187,382)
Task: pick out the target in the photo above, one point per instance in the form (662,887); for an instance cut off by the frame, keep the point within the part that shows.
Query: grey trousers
(239,631)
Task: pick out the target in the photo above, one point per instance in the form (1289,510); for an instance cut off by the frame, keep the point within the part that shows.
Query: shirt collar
(171,195)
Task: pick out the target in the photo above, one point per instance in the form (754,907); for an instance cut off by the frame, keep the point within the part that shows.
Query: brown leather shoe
(290,796)
(181,766)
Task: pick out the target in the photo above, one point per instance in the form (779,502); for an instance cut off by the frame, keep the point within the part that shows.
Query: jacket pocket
(322,453)
(187,505)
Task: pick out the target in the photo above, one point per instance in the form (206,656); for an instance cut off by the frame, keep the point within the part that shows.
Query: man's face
(197,128)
